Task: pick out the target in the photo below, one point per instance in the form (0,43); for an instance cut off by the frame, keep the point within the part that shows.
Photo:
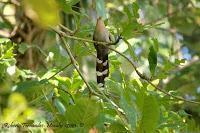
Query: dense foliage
(47,66)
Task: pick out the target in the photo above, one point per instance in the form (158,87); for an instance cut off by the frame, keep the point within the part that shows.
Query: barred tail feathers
(102,66)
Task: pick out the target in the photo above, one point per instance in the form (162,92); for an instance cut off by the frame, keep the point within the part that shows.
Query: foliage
(39,85)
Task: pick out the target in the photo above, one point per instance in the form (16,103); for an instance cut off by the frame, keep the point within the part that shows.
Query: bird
(101,34)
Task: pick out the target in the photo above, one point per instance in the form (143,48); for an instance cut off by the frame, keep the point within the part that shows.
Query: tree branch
(133,65)
(68,30)
(81,39)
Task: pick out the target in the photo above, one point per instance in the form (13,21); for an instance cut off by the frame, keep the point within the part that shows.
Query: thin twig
(81,39)
(68,30)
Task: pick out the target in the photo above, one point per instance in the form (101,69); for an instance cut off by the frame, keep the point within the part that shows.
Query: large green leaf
(84,111)
(127,103)
(32,89)
(150,115)
(129,28)
(131,11)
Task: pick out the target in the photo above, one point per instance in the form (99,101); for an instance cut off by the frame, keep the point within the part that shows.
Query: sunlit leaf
(155,44)
(44,12)
(135,10)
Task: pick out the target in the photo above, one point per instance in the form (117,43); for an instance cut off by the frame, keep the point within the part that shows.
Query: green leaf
(129,28)
(131,50)
(22,86)
(64,82)
(192,126)
(65,6)
(100,7)
(22,48)
(127,103)
(113,86)
(152,58)
(77,81)
(73,2)
(135,10)
(128,10)
(31,89)
(44,12)
(49,73)
(59,105)
(178,62)
(4,40)
(150,115)
(84,111)
(155,44)
(132,11)
(6,49)
(116,126)
(5,25)
(81,50)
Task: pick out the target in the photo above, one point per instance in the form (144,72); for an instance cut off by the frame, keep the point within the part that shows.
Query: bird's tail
(102,69)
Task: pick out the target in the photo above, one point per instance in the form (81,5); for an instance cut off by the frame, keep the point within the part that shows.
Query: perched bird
(101,34)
